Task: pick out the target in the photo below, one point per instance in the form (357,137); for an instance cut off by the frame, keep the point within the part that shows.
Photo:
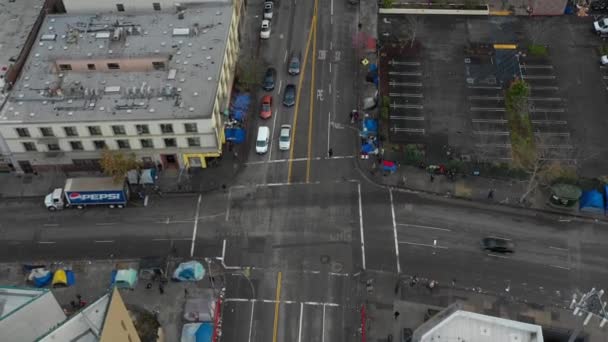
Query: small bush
(387,3)
(603,49)
(537,50)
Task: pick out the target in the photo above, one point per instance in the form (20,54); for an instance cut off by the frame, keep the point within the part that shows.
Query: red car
(266,111)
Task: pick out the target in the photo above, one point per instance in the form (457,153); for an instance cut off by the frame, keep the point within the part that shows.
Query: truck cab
(54,200)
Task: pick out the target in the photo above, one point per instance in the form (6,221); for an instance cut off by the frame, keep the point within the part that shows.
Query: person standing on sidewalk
(491,194)
(330,153)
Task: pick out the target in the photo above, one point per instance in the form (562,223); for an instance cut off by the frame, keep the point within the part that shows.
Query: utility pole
(590,304)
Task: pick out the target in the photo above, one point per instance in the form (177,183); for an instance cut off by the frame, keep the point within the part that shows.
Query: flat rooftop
(12,298)
(191,46)
(17,20)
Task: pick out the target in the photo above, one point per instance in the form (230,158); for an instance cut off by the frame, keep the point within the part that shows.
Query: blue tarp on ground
(369,127)
(197,332)
(235,135)
(592,201)
(239,106)
(204,332)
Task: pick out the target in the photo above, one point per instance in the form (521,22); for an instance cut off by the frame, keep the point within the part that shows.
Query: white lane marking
(423,244)
(239,300)
(198,210)
(560,267)
(51,224)
(499,237)
(328,129)
(280,83)
(497,256)
(338,274)
(285,57)
(104,241)
(146,200)
(330,67)
(251,320)
(274,301)
(390,193)
(558,248)
(331,8)
(46,242)
(323,326)
(361,225)
(301,319)
(105,224)
(228,205)
(331,45)
(423,227)
(294,160)
(330,89)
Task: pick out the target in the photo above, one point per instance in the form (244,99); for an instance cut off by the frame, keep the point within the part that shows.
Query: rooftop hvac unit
(117,33)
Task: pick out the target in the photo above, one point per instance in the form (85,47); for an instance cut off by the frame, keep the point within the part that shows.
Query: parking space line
(557,147)
(494,145)
(423,227)
(396,105)
(404,95)
(394,62)
(552,99)
(539,77)
(536,66)
(498,121)
(276,307)
(407,118)
(533,87)
(486,98)
(423,244)
(485,87)
(549,122)
(406,84)
(490,133)
(401,73)
(390,193)
(547,110)
(487,109)
(409,130)
(552,134)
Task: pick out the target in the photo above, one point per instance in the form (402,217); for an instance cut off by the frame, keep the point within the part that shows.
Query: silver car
(285,138)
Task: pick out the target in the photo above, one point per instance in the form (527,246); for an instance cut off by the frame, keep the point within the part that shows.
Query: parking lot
(568,86)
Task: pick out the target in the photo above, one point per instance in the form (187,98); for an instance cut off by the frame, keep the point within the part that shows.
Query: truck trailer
(82,192)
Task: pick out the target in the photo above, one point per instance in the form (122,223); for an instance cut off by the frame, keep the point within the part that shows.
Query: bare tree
(412,24)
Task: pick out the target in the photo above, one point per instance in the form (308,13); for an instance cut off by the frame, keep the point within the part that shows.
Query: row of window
(121,7)
(111,66)
(71,131)
(122,144)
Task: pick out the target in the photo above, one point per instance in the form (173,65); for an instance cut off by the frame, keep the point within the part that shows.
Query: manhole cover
(325,259)
(336,267)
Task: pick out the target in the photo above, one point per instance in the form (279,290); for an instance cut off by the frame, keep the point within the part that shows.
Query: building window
(53,147)
(70,131)
(146,143)
(191,127)
(170,142)
(194,142)
(91,67)
(99,144)
(94,130)
(65,67)
(156,6)
(166,128)
(47,132)
(29,146)
(23,132)
(113,66)
(142,129)
(123,144)
(76,145)
(120,7)
(158,65)
(119,130)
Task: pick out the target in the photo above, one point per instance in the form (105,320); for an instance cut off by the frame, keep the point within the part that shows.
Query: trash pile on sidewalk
(234,128)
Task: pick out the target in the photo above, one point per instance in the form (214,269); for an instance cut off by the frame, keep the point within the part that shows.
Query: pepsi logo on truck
(77,197)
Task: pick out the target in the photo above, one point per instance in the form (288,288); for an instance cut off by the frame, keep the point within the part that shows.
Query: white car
(265,31)
(601,26)
(268,10)
(285,138)
(604,60)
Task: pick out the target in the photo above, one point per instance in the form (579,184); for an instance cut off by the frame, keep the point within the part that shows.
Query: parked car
(497,245)
(294,64)
(269,77)
(599,6)
(289,96)
(266,108)
(262,140)
(601,26)
(265,29)
(604,60)
(285,138)
(268,7)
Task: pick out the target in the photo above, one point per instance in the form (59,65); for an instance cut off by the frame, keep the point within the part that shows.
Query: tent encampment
(592,201)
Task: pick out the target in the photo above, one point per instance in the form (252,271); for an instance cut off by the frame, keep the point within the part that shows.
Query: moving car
(497,245)
(265,30)
(269,77)
(289,97)
(601,26)
(262,140)
(285,138)
(266,109)
(294,64)
(268,10)
(604,60)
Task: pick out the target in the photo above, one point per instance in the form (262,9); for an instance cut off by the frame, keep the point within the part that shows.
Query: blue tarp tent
(235,135)
(197,332)
(189,271)
(239,106)
(204,333)
(592,201)
(369,127)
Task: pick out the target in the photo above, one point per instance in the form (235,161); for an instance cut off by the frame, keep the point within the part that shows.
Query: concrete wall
(97,6)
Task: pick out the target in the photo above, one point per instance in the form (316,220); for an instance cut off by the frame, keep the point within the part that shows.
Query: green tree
(116,164)
(387,3)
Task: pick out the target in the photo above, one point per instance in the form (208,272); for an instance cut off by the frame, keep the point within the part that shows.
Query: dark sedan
(289,97)
(269,77)
(497,245)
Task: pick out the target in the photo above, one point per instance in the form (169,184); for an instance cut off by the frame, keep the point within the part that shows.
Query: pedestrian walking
(161,288)
(330,153)
(453,282)
(491,194)
(432,178)
(396,314)
(351,115)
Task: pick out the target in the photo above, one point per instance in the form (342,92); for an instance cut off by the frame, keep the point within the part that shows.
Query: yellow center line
(297,104)
(312,93)
(276,308)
